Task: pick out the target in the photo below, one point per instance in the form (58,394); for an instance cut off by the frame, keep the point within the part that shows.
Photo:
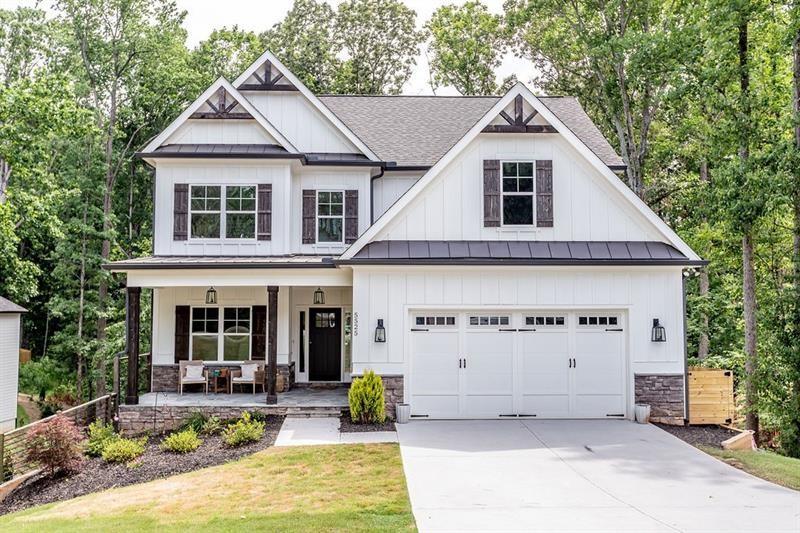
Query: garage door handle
(507,329)
(570,362)
(419,329)
(613,329)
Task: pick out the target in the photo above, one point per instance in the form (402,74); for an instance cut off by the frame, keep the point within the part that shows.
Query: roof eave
(524,262)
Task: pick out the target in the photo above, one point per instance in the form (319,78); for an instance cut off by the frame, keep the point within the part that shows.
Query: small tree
(366,399)
(55,445)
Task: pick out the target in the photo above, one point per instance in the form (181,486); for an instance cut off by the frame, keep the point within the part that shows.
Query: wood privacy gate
(710,396)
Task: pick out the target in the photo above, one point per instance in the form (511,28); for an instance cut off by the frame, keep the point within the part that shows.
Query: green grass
(764,464)
(309,488)
(22,416)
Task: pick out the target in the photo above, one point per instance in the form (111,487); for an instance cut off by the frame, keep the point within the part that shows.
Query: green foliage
(182,441)
(55,445)
(212,426)
(124,450)
(196,421)
(243,431)
(43,376)
(100,435)
(6,469)
(366,399)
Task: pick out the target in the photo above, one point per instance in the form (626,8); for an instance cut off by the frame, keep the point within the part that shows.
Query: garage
(492,364)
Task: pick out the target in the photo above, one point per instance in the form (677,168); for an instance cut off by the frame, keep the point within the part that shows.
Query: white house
(10,314)
(479,253)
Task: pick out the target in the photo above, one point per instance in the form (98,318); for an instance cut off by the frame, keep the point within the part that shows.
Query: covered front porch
(300,397)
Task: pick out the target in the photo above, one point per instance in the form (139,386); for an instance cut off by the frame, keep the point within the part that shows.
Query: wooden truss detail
(266,82)
(520,123)
(222,108)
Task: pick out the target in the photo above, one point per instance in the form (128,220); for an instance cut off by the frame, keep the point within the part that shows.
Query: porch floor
(299,397)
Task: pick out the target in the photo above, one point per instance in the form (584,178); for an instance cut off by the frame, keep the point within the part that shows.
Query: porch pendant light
(380,332)
(658,334)
(319,297)
(211,296)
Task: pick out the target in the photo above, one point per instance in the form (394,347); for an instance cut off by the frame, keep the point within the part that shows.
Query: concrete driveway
(579,476)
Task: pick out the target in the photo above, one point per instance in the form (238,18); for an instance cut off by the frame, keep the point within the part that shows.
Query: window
(490,320)
(440,321)
(518,191)
(594,320)
(214,215)
(240,212)
(205,211)
(325,320)
(330,216)
(210,343)
(543,320)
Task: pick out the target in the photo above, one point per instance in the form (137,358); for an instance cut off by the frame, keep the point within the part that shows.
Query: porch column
(272,343)
(132,336)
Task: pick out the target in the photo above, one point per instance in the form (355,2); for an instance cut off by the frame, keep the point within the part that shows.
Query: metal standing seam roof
(419,130)
(7,306)
(522,252)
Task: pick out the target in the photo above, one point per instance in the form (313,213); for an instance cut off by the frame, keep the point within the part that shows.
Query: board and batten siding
(387,189)
(305,127)
(644,292)
(585,205)
(9,370)
(220,131)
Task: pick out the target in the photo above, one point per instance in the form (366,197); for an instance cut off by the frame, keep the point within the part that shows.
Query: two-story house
(479,253)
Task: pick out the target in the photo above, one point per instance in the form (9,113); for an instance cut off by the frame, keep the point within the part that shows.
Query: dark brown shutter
(264,212)
(180,212)
(544,194)
(182,324)
(350,216)
(258,351)
(309,216)
(491,193)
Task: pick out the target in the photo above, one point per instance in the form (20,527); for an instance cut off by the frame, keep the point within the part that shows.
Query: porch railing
(13,452)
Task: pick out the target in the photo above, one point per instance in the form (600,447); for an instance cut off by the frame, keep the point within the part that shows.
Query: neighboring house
(479,253)
(10,315)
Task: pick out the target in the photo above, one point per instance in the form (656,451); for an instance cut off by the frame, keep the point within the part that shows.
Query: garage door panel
(488,373)
(544,363)
(596,405)
(545,405)
(485,406)
(598,374)
(435,383)
(438,406)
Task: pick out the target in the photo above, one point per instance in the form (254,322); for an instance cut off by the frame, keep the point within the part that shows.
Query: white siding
(220,132)
(9,370)
(585,205)
(645,293)
(389,188)
(305,127)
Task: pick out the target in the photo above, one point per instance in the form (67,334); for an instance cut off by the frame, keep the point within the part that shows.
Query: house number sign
(355,324)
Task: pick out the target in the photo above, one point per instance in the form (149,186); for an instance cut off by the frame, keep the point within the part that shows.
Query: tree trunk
(81,300)
(703,342)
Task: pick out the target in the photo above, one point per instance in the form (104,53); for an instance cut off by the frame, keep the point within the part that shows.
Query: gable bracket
(221,109)
(502,128)
(267,83)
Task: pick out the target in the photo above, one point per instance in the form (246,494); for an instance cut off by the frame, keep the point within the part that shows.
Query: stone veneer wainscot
(665,395)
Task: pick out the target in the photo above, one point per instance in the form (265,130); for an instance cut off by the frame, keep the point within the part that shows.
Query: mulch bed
(700,435)
(348,426)
(97,475)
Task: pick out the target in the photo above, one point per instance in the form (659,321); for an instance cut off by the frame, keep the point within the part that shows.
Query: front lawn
(316,488)
(764,464)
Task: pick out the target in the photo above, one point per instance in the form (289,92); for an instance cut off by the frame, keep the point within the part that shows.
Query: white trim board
(519,89)
(208,93)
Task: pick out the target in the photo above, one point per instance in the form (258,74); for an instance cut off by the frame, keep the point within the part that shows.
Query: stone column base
(392,394)
(665,396)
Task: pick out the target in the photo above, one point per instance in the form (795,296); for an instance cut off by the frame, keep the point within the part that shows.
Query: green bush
(243,431)
(100,434)
(196,421)
(366,399)
(212,426)
(6,470)
(182,442)
(124,450)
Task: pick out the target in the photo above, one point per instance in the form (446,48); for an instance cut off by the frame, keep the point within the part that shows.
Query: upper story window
(228,211)
(330,216)
(518,193)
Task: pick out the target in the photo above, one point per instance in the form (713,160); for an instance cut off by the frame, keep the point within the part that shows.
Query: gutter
(520,262)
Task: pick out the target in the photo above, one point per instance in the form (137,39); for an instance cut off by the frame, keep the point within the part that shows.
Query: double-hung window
(218,210)
(231,342)
(205,334)
(236,334)
(330,216)
(518,193)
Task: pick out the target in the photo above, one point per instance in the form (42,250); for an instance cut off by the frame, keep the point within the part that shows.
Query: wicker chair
(183,380)
(237,379)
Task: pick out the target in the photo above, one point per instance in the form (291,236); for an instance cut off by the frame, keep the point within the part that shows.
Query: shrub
(55,445)
(100,434)
(196,421)
(366,399)
(243,431)
(212,426)
(182,441)
(6,470)
(124,450)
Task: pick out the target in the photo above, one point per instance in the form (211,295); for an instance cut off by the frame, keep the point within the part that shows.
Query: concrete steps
(314,412)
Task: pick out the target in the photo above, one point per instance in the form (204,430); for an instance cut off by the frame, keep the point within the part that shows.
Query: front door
(325,344)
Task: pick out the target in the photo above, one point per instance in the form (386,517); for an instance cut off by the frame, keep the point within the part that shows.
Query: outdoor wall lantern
(380,332)
(319,297)
(658,334)
(211,296)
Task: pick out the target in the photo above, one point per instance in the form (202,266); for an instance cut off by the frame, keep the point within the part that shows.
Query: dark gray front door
(325,344)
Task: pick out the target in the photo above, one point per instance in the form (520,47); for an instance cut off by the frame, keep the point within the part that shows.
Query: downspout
(372,193)
(684,275)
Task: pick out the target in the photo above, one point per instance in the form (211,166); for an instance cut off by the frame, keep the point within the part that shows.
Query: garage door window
(441,321)
(598,320)
(489,320)
(546,320)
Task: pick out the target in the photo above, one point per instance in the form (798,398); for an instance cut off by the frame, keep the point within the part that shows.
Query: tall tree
(466,47)
(380,41)
(226,52)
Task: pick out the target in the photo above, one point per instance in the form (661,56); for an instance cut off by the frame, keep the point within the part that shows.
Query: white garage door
(494,364)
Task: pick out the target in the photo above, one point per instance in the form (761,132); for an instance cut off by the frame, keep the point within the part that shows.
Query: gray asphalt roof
(418,130)
(7,306)
(521,252)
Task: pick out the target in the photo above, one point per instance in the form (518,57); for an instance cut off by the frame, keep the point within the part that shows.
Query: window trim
(532,194)
(317,217)
(221,334)
(223,212)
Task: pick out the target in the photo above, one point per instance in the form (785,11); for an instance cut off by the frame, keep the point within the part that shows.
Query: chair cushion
(249,372)
(242,380)
(194,372)
(194,380)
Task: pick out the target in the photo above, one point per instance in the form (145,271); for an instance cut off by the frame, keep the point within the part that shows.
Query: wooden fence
(13,462)
(711,396)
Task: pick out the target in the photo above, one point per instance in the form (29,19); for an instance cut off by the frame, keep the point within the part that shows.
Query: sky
(203,16)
